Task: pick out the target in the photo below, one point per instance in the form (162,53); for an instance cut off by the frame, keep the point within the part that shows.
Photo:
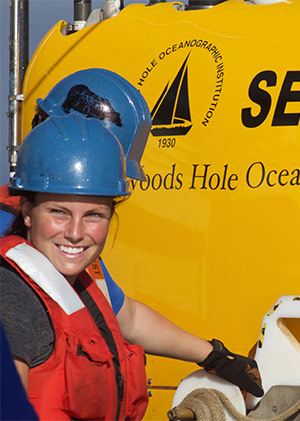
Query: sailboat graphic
(171,114)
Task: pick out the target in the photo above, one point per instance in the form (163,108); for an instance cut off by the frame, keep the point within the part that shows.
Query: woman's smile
(71,250)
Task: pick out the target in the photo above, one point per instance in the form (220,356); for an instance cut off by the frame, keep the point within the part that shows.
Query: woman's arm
(158,335)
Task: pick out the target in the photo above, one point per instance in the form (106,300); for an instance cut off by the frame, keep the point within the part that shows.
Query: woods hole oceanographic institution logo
(171,114)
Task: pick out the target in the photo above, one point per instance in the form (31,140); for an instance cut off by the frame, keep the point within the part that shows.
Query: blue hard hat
(104,95)
(71,155)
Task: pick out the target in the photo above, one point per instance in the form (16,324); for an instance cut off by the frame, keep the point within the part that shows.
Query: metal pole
(82,10)
(24,38)
(15,95)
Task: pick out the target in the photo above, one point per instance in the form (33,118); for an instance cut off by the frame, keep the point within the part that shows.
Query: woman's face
(69,230)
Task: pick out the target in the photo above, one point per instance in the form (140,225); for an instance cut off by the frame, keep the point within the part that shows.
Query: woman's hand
(235,368)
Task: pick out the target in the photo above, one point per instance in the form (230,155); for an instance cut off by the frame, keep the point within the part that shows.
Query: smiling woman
(70,173)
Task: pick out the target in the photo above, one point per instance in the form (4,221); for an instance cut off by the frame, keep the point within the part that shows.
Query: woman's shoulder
(16,295)
(12,282)
(9,276)
(24,318)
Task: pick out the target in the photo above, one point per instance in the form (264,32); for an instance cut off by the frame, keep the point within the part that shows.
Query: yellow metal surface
(211,239)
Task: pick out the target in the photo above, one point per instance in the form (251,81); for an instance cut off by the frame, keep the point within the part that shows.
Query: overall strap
(97,315)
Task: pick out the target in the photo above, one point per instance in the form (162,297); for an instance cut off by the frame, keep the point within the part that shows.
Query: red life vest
(92,373)
(13,202)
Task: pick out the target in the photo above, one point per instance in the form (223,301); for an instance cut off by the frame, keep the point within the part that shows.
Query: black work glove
(237,369)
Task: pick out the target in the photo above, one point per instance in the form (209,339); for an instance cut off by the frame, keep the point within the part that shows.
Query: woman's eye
(96,215)
(57,211)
